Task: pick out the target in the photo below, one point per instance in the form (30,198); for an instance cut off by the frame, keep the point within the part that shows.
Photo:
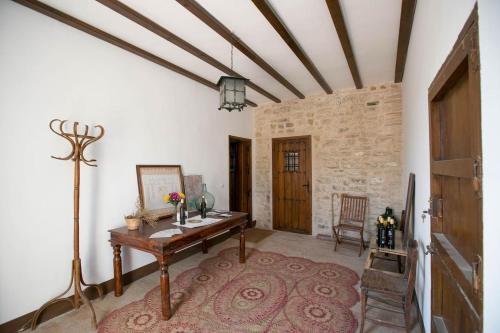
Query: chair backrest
(411,268)
(353,208)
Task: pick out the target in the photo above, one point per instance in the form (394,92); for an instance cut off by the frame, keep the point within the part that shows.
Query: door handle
(306,185)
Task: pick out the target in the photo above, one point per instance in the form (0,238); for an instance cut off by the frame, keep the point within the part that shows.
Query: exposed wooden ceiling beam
(155,28)
(91,30)
(338,21)
(273,18)
(197,10)
(405,25)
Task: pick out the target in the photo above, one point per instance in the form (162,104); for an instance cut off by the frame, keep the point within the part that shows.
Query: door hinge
(430,249)
(435,207)
(476,175)
(476,274)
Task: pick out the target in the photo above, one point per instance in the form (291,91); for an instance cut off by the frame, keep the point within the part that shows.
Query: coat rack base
(77,299)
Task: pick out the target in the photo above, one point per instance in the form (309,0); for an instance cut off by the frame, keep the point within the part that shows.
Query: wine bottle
(203,207)
(381,235)
(390,239)
(182,213)
(388,212)
(379,226)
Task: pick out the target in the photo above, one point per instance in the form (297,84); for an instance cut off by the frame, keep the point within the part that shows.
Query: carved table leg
(117,266)
(204,246)
(165,290)
(242,244)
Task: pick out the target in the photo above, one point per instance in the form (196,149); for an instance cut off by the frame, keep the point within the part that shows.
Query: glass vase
(177,214)
(209,199)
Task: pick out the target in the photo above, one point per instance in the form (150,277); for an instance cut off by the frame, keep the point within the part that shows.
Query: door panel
(234,193)
(245,178)
(456,120)
(456,229)
(292,184)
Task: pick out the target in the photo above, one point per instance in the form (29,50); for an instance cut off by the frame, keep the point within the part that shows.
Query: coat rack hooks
(79,142)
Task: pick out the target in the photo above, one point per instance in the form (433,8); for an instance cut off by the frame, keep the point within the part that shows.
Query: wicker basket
(133,223)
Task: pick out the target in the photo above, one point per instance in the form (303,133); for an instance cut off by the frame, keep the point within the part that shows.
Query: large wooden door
(292,184)
(456,205)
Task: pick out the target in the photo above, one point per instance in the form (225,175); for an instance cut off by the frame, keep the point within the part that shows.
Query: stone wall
(356,149)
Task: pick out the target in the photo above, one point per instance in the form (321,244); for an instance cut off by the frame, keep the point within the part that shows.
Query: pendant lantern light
(232,91)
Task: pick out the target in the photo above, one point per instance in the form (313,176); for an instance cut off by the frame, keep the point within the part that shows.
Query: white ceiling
(373,28)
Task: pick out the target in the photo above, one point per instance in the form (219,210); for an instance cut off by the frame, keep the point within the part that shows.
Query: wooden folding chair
(352,219)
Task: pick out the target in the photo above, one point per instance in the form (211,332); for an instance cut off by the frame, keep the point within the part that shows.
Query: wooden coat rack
(79,142)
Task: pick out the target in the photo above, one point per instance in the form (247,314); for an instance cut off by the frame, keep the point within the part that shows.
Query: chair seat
(382,281)
(349,226)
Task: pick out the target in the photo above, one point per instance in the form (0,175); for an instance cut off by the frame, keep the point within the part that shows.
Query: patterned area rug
(254,235)
(270,293)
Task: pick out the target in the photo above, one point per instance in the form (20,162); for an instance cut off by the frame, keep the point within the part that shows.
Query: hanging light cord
(232,56)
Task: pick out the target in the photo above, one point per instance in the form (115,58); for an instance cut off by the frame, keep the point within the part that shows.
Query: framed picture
(193,184)
(154,182)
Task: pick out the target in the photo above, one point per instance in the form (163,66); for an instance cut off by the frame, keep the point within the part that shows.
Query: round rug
(270,293)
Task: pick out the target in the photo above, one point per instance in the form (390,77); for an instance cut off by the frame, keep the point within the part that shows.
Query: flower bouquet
(174,198)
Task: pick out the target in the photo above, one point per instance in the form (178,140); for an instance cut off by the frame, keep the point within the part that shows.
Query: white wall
(151,115)
(435,30)
(489,27)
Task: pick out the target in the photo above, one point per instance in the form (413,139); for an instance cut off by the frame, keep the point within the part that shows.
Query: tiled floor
(289,244)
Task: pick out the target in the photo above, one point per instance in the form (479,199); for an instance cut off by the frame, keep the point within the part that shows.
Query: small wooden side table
(399,250)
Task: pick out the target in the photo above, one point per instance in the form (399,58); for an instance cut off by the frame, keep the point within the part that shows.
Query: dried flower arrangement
(139,214)
(152,220)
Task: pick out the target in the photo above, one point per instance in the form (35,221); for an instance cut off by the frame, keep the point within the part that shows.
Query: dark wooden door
(292,184)
(234,170)
(240,175)
(456,205)
(245,200)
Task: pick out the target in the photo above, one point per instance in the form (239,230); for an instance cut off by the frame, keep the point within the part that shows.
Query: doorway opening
(240,175)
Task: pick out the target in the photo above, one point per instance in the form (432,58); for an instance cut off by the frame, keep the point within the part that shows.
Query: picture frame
(193,186)
(154,181)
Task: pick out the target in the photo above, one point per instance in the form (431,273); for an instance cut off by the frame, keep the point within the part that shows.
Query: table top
(140,238)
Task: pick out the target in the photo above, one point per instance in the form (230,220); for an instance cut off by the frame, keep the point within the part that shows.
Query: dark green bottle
(389,236)
(203,207)
(182,213)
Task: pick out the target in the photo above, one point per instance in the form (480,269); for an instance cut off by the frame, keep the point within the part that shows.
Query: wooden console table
(164,248)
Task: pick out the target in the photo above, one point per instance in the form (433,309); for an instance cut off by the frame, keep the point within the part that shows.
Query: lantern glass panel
(240,97)
(240,85)
(230,96)
(221,97)
(229,84)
